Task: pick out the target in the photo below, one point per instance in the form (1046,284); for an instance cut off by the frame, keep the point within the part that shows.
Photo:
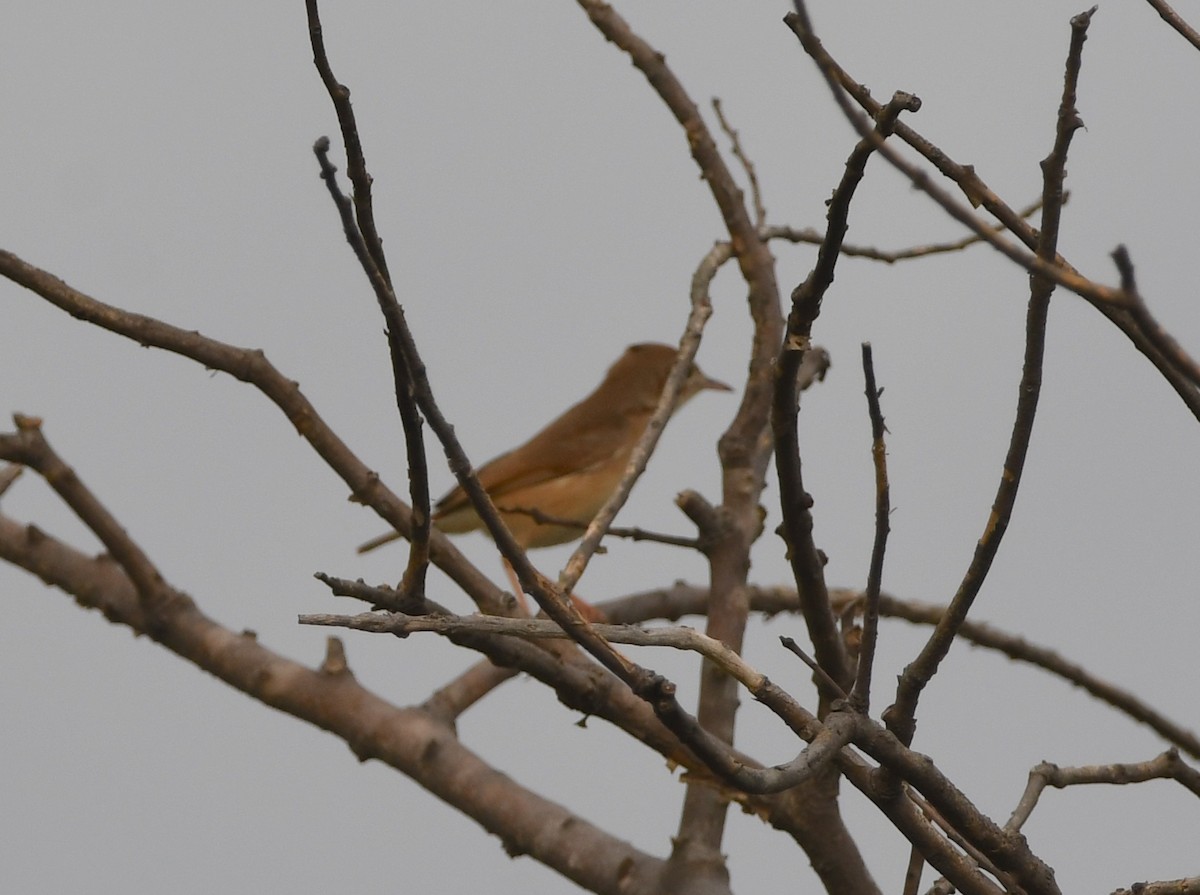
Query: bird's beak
(715,384)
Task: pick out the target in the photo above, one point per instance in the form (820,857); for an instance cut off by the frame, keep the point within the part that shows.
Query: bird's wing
(557,454)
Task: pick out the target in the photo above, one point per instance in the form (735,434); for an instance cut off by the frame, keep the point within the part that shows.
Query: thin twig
(404,357)
(807,568)
(959,839)
(912,873)
(1167,766)
(813,237)
(833,690)
(633,534)
(407,362)
(1113,303)
(1147,324)
(901,715)
(364,239)
(760,210)
(980,194)
(860,695)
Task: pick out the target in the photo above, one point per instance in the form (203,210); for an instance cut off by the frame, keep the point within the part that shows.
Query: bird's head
(641,372)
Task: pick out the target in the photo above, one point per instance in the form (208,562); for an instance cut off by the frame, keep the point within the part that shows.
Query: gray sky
(540,213)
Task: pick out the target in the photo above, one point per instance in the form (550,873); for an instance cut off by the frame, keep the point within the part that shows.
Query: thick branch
(408,740)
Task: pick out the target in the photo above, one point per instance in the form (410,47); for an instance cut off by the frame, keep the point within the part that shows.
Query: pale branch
(674,637)
(1167,766)
(826,740)
(816,361)
(403,738)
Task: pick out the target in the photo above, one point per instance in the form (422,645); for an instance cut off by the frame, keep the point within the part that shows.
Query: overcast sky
(541,212)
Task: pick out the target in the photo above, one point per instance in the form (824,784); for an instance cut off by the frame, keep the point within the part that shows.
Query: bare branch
(251,366)
(828,687)
(682,599)
(364,238)
(1021,650)
(811,236)
(901,716)
(860,696)
(796,504)
(1167,766)
(826,741)
(454,698)
(1172,18)
(743,452)
(1113,303)
(403,738)
(29,447)
(760,211)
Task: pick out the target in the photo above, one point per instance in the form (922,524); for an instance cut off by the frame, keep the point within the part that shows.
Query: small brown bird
(570,468)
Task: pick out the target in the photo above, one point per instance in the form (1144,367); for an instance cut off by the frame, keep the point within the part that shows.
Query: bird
(548,489)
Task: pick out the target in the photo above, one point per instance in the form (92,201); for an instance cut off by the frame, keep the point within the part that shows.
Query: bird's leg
(590,613)
(515,582)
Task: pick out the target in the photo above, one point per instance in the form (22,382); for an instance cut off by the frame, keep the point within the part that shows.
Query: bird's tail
(379,541)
